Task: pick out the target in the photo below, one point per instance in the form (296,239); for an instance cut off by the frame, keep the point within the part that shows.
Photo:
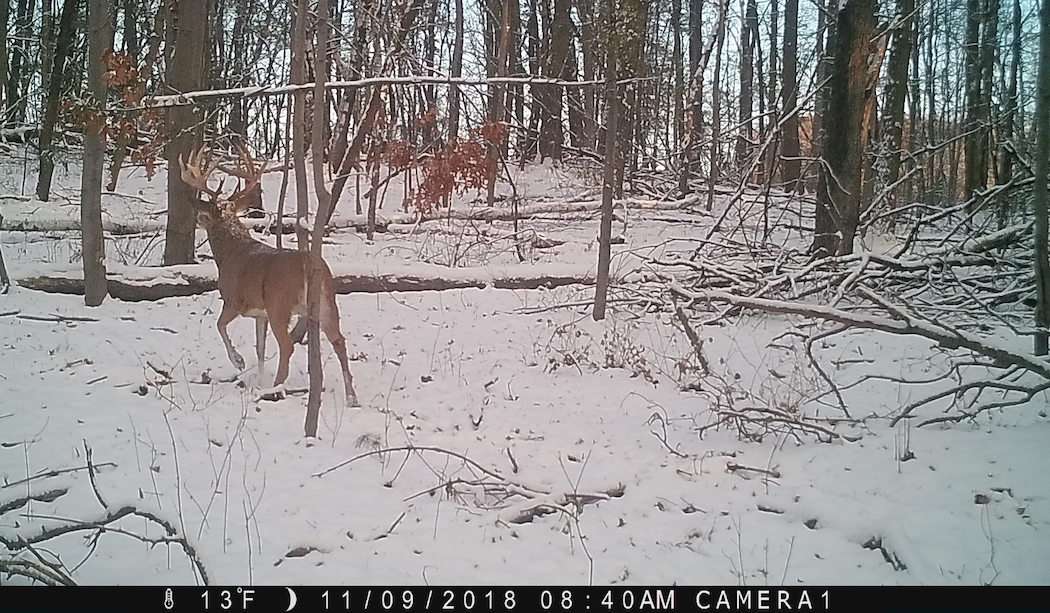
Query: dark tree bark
(971,45)
(1006,160)
(716,105)
(5,16)
(551,130)
(1041,169)
(429,93)
(93,249)
(298,70)
(573,96)
(66,29)
(588,44)
(695,102)
(612,159)
(840,184)
(47,47)
(631,19)
(15,109)
(324,201)
(457,71)
(791,166)
(989,44)
(679,93)
(773,151)
(749,29)
(130,29)
(190,19)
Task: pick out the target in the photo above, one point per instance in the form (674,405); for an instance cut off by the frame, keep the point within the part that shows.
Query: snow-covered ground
(514,381)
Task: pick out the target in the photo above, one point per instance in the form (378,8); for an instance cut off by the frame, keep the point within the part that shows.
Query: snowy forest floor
(515,380)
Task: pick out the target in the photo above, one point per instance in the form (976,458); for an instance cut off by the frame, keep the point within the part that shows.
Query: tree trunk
(457,71)
(15,110)
(631,22)
(302,205)
(989,47)
(551,131)
(131,33)
(573,95)
(190,19)
(93,248)
(47,47)
(748,29)
(5,16)
(1041,169)
(716,105)
(971,46)
(612,160)
(791,166)
(839,188)
(588,42)
(773,150)
(313,293)
(679,93)
(66,28)
(1006,161)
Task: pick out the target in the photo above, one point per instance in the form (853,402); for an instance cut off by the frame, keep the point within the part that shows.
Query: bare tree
(973,97)
(1006,159)
(18,58)
(839,187)
(456,72)
(190,31)
(716,104)
(66,30)
(679,90)
(93,249)
(551,133)
(897,86)
(1041,169)
(748,32)
(324,202)
(5,15)
(791,167)
(612,156)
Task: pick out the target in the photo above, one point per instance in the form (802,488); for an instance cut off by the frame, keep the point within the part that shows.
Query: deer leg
(227,315)
(299,331)
(330,327)
(279,325)
(260,345)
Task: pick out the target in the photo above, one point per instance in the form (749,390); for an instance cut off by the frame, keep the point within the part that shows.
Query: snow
(484,373)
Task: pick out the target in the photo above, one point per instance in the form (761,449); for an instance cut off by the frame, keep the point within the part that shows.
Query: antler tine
(248,171)
(196,177)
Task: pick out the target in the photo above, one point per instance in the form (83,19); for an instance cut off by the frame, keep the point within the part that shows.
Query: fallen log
(27,217)
(135,284)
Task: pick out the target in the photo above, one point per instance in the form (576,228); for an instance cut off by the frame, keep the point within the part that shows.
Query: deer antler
(247,170)
(195,173)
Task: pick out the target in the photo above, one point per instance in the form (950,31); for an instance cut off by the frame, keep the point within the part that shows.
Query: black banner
(559,599)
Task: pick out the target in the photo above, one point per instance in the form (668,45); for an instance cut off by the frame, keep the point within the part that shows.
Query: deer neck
(228,238)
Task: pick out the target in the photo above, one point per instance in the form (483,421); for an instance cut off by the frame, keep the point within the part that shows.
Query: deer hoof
(238,361)
(352,403)
(273,394)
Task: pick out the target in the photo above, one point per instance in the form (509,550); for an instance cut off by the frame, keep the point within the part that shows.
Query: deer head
(217,210)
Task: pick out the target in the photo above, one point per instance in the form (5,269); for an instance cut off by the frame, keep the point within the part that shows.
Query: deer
(256,280)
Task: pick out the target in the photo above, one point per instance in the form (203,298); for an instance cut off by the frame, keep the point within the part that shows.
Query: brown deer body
(260,281)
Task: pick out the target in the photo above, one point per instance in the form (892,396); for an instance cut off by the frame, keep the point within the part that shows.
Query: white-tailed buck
(255,279)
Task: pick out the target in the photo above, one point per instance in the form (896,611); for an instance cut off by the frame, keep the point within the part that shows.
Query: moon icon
(292,600)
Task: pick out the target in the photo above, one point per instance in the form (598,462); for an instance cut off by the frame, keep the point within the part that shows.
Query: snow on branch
(252,91)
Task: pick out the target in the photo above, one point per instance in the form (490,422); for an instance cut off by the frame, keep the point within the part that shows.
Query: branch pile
(969,296)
